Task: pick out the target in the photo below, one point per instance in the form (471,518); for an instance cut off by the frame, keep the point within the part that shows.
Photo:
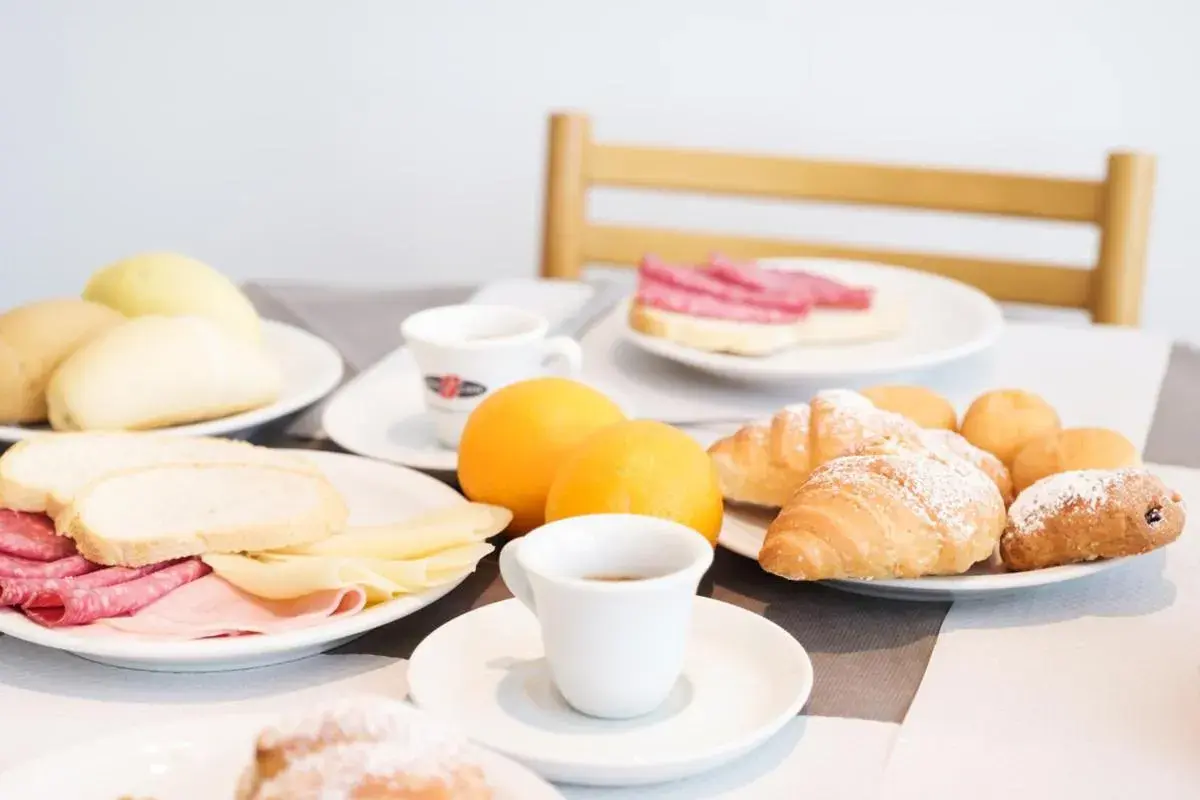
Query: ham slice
(32,537)
(83,605)
(211,607)
(825,292)
(693,280)
(14,567)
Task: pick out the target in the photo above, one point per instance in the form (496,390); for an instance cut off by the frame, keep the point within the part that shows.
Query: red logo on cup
(452,386)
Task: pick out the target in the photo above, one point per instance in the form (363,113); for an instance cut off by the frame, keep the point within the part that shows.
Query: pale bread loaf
(44,472)
(152,372)
(155,514)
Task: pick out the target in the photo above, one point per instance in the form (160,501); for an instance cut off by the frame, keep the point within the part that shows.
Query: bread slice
(145,516)
(713,335)
(44,472)
(885,318)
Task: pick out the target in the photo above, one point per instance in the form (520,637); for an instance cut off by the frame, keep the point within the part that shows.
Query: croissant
(885,516)
(763,463)
(947,447)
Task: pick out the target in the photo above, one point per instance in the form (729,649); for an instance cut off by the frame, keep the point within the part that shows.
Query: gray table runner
(869,654)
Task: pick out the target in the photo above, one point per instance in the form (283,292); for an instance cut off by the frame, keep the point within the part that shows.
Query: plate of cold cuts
(790,319)
(156,552)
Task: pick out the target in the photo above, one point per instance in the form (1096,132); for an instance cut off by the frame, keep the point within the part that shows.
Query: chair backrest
(1119,205)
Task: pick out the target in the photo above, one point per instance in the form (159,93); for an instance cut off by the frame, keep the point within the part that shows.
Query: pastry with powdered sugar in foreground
(363,748)
(1085,515)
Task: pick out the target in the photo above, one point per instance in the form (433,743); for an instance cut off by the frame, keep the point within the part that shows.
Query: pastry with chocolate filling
(1085,515)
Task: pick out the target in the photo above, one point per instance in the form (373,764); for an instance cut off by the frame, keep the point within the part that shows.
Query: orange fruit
(640,467)
(516,438)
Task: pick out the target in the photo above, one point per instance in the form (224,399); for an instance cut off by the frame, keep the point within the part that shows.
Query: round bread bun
(34,340)
(1003,420)
(1071,449)
(923,406)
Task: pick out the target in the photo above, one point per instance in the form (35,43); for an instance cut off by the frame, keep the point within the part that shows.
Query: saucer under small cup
(744,678)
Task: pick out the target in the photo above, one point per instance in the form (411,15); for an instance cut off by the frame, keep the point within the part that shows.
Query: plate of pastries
(785,319)
(157,341)
(357,748)
(888,493)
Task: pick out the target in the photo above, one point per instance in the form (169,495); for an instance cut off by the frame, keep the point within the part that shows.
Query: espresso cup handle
(513,575)
(566,352)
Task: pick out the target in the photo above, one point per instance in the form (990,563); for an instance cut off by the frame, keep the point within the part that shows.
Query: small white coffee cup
(465,352)
(613,594)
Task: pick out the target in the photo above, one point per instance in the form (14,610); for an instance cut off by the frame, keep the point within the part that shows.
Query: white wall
(401,142)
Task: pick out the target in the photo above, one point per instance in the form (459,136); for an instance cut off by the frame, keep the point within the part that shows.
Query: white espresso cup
(613,594)
(465,352)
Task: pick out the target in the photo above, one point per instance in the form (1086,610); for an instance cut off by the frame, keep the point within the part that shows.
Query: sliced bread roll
(158,513)
(152,372)
(44,473)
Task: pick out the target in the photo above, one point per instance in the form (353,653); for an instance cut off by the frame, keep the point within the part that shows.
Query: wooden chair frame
(1119,205)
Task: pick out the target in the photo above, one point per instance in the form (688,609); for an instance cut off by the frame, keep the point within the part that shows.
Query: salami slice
(45,592)
(32,536)
(792,300)
(826,292)
(81,606)
(670,298)
(13,567)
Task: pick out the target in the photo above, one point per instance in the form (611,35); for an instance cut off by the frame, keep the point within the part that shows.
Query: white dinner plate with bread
(307,367)
(157,341)
(208,757)
(189,554)
(870,319)
(888,493)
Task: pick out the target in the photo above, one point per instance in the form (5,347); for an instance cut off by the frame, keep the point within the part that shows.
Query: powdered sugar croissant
(885,516)
(764,462)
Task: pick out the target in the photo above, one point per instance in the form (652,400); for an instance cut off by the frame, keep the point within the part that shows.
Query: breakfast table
(1085,689)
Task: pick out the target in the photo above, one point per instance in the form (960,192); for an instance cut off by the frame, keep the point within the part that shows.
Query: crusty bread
(34,340)
(43,473)
(152,372)
(822,326)
(154,514)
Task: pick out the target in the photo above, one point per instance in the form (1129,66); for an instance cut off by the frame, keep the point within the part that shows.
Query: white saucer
(311,367)
(744,529)
(195,759)
(381,413)
(744,678)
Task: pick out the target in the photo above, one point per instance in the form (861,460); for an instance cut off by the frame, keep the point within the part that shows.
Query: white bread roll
(150,515)
(43,473)
(34,340)
(152,372)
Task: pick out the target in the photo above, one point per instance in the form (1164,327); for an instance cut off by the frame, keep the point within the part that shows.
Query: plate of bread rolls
(887,493)
(155,342)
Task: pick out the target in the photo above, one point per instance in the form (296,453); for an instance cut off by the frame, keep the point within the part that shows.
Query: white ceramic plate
(745,528)
(947,321)
(744,679)
(198,759)
(376,493)
(312,368)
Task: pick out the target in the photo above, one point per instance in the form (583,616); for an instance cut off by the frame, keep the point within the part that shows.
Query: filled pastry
(1084,515)
(367,748)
